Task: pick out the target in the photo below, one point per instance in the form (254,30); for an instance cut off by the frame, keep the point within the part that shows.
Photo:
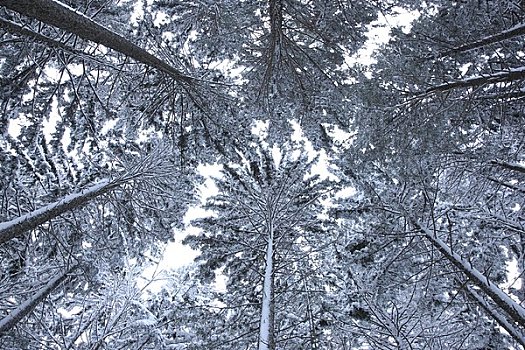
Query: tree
(264,238)
(428,142)
(99,233)
(64,17)
(26,307)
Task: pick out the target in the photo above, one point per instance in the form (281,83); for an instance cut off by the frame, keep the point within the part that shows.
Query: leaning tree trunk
(513,309)
(495,314)
(59,15)
(8,322)
(30,221)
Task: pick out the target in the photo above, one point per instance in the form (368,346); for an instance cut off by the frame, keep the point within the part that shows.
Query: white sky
(379,34)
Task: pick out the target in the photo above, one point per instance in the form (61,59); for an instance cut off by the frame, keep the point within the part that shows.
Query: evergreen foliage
(358,206)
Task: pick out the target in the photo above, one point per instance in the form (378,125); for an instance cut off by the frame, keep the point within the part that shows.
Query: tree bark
(17,29)
(55,13)
(505,35)
(29,221)
(8,322)
(266,327)
(499,77)
(513,309)
(502,321)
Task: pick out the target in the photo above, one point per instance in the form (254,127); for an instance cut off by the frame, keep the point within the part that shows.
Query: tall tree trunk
(513,309)
(27,306)
(502,321)
(491,39)
(29,221)
(266,326)
(499,77)
(55,13)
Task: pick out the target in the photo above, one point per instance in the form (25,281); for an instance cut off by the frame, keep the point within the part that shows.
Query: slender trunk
(27,306)
(266,327)
(513,309)
(511,166)
(310,315)
(55,13)
(30,221)
(502,321)
(504,35)
(499,77)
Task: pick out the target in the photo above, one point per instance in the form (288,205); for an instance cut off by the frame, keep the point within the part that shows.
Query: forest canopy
(356,204)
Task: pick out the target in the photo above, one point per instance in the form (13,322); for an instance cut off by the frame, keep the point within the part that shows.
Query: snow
(264,327)
(379,34)
(138,13)
(69,314)
(50,125)
(14,128)
(346,192)
(22,309)
(4,226)
(161,18)
(220,280)
(480,278)
(146,322)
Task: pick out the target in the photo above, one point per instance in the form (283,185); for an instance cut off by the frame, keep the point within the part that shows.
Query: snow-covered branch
(513,32)
(27,306)
(57,14)
(499,77)
(16,227)
(512,308)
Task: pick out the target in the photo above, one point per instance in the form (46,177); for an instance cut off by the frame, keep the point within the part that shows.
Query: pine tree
(264,238)
(417,257)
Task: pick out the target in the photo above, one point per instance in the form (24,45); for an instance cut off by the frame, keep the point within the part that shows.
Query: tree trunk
(64,17)
(513,309)
(30,221)
(266,327)
(17,29)
(499,77)
(8,322)
(502,321)
(505,35)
